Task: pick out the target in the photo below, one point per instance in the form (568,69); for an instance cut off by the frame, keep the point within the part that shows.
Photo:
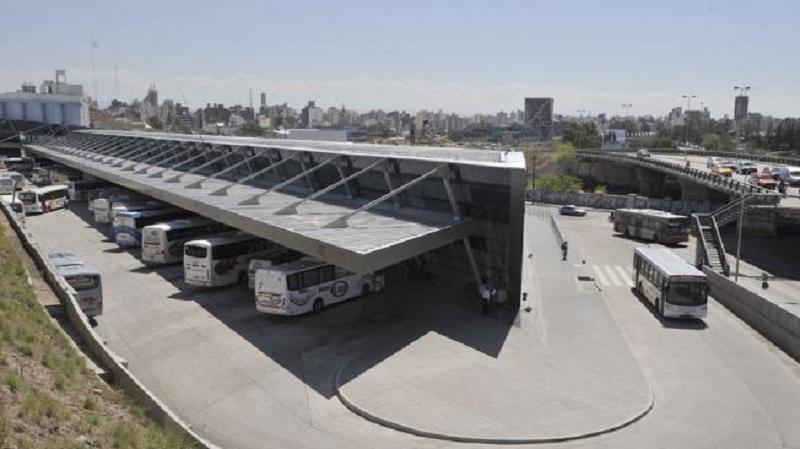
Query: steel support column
(255,199)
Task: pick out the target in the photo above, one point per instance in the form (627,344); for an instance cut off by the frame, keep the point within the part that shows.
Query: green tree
(558,183)
(582,135)
(565,153)
(627,124)
(251,129)
(711,141)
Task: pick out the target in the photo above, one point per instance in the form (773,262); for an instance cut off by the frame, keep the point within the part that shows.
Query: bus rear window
(82,282)
(196,251)
(151,237)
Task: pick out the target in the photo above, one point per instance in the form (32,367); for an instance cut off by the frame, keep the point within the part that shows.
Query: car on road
(643,153)
(746,167)
(764,180)
(722,170)
(712,161)
(775,172)
(572,210)
(790,175)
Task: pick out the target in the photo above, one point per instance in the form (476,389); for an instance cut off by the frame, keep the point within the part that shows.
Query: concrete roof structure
(324,199)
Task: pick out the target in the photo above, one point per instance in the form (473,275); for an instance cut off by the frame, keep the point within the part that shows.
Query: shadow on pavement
(776,256)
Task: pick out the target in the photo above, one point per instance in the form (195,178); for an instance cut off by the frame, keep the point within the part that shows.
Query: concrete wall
(772,321)
(121,376)
(600,201)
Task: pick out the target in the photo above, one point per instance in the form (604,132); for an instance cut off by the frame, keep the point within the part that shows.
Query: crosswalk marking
(613,275)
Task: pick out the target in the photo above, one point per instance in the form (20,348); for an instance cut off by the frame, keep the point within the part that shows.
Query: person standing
(564,248)
(486,297)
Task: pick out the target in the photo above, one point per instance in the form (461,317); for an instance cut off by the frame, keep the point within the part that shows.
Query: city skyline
(457,57)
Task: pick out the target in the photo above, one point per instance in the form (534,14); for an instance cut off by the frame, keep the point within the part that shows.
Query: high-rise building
(263,100)
(740,107)
(539,117)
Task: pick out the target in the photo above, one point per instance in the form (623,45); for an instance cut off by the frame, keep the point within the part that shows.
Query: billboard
(740,108)
(614,139)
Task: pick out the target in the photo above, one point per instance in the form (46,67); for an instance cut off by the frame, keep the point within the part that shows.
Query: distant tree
(565,153)
(582,135)
(627,124)
(558,183)
(711,141)
(251,129)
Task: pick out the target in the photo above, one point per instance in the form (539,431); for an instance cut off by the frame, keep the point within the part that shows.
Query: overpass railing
(722,183)
(775,160)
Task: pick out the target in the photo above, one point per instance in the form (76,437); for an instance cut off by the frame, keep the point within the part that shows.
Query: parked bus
(106,208)
(278,256)
(7,185)
(40,175)
(17,181)
(222,260)
(64,175)
(44,199)
(309,285)
(86,281)
(79,190)
(162,243)
(674,287)
(20,164)
(128,224)
(655,225)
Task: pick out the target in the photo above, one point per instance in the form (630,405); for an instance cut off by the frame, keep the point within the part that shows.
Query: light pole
(686,115)
(626,107)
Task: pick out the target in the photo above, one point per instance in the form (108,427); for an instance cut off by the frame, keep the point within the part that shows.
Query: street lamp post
(626,107)
(686,114)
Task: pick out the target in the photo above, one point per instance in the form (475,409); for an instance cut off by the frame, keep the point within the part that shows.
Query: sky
(460,56)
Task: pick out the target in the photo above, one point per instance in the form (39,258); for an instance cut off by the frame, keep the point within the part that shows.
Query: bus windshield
(687,293)
(27,197)
(196,251)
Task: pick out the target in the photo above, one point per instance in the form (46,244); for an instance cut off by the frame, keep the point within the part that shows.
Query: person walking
(564,248)
(486,298)
(782,187)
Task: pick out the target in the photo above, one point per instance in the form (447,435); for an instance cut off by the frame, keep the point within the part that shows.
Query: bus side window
(310,278)
(293,282)
(326,273)
(341,272)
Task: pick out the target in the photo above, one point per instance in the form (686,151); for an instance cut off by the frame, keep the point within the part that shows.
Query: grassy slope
(48,397)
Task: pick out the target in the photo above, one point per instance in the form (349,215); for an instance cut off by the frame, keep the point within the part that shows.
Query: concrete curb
(369,416)
(120,375)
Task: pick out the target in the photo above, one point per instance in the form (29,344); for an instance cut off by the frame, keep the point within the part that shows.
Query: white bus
(105,208)
(221,260)
(309,285)
(79,190)
(655,225)
(44,199)
(162,243)
(278,256)
(40,175)
(674,287)
(17,179)
(7,185)
(128,224)
(86,281)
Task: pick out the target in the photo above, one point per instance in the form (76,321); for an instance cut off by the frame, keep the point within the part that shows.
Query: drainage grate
(586,278)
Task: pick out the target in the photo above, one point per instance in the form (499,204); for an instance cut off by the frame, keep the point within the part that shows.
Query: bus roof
(48,189)
(223,238)
(182,223)
(668,263)
(297,265)
(76,270)
(651,212)
(149,212)
(63,258)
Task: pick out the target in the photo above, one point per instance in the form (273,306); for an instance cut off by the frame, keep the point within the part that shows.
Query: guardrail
(120,375)
(775,160)
(546,215)
(723,183)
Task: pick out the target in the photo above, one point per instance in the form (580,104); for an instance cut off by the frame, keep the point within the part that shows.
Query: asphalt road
(247,380)
(717,383)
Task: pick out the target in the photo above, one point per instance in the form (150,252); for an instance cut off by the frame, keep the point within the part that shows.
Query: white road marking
(612,276)
(599,275)
(626,275)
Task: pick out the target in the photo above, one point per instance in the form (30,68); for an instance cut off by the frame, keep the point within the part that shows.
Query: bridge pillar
(651,183)
(692,191)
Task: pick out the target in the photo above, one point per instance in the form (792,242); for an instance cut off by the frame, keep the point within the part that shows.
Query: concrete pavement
(563,372)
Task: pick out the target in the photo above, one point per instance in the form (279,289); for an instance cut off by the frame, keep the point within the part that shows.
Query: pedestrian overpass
(362,207)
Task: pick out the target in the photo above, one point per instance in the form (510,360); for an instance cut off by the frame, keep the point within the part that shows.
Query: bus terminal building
(454,213)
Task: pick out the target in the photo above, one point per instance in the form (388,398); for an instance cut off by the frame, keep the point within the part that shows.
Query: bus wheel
(243,278)
(318,305)
(365,290)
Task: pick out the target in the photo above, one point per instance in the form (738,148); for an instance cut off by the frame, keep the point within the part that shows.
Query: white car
(643,153)
(572,210)
(712,161)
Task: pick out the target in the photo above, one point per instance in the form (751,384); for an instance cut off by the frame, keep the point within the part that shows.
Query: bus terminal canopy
(362,207)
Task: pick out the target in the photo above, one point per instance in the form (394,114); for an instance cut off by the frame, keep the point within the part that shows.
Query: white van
(790,175)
